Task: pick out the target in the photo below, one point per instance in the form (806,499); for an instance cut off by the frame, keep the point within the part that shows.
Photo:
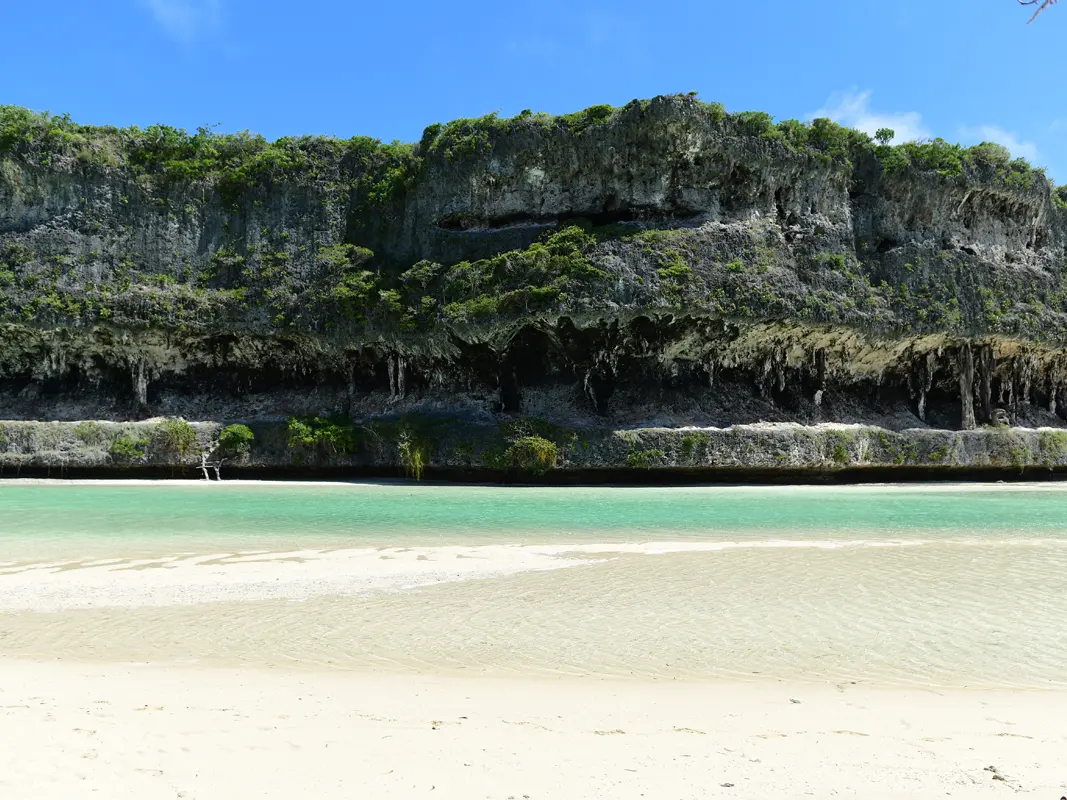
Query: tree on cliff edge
(1041,6)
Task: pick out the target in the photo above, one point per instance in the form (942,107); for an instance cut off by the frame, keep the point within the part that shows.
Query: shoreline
(150,731)
(664,477)
(1027,483)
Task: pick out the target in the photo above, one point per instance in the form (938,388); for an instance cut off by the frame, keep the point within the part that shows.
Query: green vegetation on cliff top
(238,161)
(235,161)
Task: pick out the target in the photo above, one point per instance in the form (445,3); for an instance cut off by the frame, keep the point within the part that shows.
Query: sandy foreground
(73,730)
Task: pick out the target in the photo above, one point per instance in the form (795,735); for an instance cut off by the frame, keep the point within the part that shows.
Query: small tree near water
(176,437)
(235,442)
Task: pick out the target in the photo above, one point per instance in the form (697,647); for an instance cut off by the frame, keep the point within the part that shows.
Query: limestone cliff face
(666,164)
(660,264)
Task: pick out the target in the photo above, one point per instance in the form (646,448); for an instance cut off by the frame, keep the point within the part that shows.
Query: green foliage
(413,455)
(21,129)
(674,273)
(352,295)
(832,260)
(939,454)
(90,433)
(935,155)
(987,161)
(594,115)
(338,259)
(755,123)
(176,436)
(840,453)
(838,442)
(825,138)
(465,137)
(715,111)
(822,138)
(1053,447)
(531,454)
(336,434)
(130,448)
(236,439)
(235,162)
(1059,196)
(421,276)
(645,459)
(14,254)
(692,442)
(989,153)
(540,277)
(461,137)
(300,433)
(240,162)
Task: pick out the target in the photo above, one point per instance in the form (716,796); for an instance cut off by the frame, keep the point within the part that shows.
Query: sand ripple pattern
(963,612)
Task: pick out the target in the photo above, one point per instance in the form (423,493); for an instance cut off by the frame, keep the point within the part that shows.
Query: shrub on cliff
(535,279)
(90,433)
(176,437)
(531,454)
(463,137)
(694,443)
(127,448)
(346,288)
(236,439)
(823,138)
(337,433)
(645,459)
(413,455)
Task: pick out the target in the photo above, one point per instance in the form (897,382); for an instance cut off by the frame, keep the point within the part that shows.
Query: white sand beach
(74,730)
(207,652)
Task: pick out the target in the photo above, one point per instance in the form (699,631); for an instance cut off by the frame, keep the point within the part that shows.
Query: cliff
(616,272)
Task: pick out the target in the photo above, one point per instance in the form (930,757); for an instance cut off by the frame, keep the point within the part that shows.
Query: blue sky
(965,71)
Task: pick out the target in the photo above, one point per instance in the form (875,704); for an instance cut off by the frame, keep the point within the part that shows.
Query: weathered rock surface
(452,448)
(620,273)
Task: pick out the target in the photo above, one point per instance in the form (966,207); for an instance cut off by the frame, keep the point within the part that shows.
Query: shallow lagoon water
(919,585)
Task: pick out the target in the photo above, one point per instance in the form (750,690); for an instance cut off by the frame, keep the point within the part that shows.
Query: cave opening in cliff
(609,215)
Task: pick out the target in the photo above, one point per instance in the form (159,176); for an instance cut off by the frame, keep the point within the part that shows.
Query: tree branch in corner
(1044,4)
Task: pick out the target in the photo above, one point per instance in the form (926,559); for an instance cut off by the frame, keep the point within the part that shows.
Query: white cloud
(853,109)
(185,20)
(993,133)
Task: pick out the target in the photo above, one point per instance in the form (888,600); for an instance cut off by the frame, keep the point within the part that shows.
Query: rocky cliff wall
(530,450)
(659,264)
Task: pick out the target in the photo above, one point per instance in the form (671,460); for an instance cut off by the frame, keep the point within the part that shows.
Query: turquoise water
(353,514)
(919,585)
